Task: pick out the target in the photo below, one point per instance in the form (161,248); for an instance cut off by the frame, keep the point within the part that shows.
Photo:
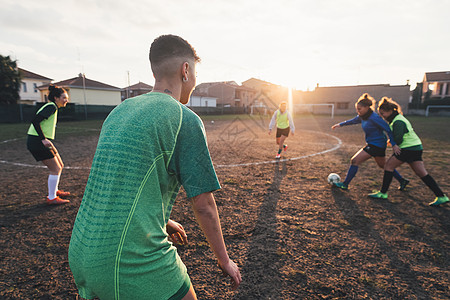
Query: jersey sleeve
(355,120)
(291,123)
(191,160)
(380,123)
(273,120)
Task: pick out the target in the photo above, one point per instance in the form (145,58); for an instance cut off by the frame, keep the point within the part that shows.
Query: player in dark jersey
(40,134)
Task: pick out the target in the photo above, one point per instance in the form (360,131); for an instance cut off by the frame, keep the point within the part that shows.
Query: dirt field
(293,236)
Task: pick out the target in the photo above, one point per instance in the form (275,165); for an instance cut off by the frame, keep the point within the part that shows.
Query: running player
(149,146)
(411,151)
(374,127)
(282,118)
(40,134)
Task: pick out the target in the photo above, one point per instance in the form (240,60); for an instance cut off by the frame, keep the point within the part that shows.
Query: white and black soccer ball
(333,178)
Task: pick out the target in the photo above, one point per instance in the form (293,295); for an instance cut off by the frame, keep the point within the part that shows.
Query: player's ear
(185,71)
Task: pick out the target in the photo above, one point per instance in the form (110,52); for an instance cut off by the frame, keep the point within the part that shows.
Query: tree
(9,81)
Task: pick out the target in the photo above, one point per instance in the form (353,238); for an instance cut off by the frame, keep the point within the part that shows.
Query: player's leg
(381,161)
(389,167)
(419,168)
(55,167)
(357,159)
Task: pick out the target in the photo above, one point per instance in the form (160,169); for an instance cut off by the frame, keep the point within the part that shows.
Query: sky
(294,43)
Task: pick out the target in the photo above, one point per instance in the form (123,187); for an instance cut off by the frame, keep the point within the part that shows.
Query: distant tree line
(10,78)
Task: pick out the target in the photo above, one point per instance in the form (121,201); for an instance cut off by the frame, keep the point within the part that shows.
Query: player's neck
(168,88)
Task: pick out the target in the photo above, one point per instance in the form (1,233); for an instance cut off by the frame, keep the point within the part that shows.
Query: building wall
(32,94)
(199,101)
(225,94)
(345,97)
(93,97)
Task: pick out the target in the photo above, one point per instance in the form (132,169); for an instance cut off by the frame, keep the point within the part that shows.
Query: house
(276,93)
(134,90)
(227,93)
(198,99)
(29,92)
(345,97)
(436,86)
(85,91)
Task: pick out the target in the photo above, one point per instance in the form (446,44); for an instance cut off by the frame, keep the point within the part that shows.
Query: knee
(354,162)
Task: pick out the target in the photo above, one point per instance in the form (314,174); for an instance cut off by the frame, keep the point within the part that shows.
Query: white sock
(53,181)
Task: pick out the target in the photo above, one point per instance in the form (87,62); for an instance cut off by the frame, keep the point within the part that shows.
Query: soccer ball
(212,122)
(333,178)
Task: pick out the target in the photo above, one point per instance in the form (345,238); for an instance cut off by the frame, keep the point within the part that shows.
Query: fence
(23,113)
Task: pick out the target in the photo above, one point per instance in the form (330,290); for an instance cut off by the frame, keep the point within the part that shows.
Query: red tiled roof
(139,86)
(77,82)
(28,74)
(437,76)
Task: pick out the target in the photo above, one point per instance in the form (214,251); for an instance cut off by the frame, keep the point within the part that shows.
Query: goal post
(427,111)
(323,108)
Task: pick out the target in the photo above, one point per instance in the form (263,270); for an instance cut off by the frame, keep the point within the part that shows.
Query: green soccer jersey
(149,146)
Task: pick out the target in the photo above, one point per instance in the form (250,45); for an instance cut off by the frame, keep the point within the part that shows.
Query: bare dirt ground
(293,236)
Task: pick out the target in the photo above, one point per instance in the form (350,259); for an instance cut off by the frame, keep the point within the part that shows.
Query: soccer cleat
(62,193)
(285,148)
(378,195)
(439,201)
(278,156)
(56,201)
(340,185)
(403,184)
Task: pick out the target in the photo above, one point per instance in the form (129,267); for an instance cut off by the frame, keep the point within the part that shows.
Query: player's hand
(335,126)
(232,270)
(396,149)
(270,131)
(176,233)
(292,133)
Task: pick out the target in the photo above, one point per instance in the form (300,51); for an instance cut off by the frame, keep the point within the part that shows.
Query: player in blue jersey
(374,127)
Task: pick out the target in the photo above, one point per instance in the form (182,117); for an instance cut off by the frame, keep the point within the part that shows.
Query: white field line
(337,146)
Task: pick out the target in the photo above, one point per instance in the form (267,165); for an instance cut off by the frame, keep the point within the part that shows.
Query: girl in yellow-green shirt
(40,134)
(284,123)
(411,150)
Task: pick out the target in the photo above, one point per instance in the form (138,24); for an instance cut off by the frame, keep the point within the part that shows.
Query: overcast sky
(294,43)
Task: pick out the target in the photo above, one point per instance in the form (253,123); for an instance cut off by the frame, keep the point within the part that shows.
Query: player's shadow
(260,273)
(366,230)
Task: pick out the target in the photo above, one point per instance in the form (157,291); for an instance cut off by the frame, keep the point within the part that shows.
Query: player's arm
(291,123)
(205,210)
(355,120)
(273,121)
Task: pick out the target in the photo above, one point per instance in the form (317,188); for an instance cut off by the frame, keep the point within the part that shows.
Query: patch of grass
(231,181)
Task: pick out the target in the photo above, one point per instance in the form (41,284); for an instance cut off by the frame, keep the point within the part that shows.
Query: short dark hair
(55,92)
(166,48)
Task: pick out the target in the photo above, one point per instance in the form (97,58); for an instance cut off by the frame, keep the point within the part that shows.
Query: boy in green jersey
(411,151)
(149,146)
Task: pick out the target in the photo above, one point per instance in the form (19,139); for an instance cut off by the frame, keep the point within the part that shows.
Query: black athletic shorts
(284,132)
(409,156)
(39,151)
(375,151)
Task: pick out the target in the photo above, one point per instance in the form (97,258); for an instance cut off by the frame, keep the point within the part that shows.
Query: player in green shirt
(40,134)
(284,124)
(411,151)
(148,147)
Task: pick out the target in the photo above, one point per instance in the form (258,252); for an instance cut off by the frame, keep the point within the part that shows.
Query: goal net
(316,109)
